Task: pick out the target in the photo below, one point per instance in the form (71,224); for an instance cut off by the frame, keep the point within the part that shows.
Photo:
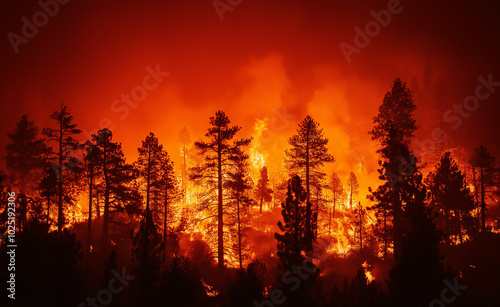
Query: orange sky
(261,58)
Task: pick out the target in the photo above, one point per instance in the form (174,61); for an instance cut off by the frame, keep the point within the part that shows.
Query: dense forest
(227,228)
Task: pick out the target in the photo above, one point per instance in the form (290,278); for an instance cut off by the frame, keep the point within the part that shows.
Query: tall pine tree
(485,163)
(306,157)
(294,241)
(219,155)
(25,157)
(451,198)
(66,154)
(393,129)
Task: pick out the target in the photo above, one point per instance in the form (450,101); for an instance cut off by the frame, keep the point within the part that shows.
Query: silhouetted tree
(398,191)
(147,254)
(320,208)
(219,156)
(263,192)
(48,189)
(396,112)
(65,155)
(238,186)
(25,157)
(120,195)
(337,194)
(485,162)
(417,278)
(360,222)
(171,194)
(157,170)
(450,197)
(359,292)
(295,239)
(182,285)
(306,156)
(248,288)
(45,261)
(91,171)
(393,128)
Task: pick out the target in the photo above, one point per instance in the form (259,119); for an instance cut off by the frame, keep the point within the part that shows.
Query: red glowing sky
(263,55)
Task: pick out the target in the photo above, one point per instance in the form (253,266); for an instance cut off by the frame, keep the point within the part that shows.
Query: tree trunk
(220,221)
(148,187)
(106,199)
(317,213)
(60,183)
(239,232)
(308,200)
(483,202)
(385,234)
(360,227)
(296,229)
(89,230)
(398,236)
(165,220)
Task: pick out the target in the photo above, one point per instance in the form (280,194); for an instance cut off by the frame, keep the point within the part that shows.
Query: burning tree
(65,155)
(321,204)
(306,156)
(361,224)
(451,198)
(263,192)
(338,196)
(295,241)
(220,155)
(485,162)
(238,202)
(393,128)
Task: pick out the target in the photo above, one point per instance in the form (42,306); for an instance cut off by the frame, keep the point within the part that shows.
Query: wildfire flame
(368,274)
